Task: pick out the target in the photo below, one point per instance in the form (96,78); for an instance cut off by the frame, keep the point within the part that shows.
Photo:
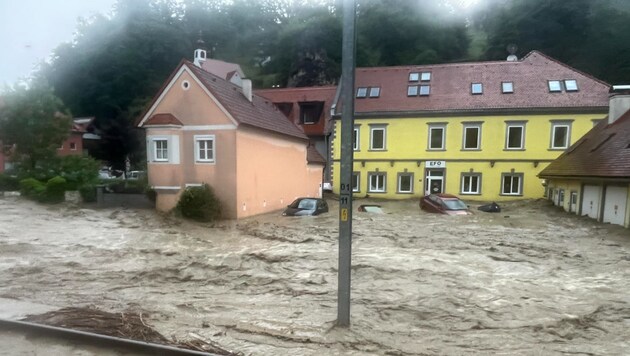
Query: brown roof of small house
(259,113)
(602,152)
(313,157)
(450,87)
(163,119)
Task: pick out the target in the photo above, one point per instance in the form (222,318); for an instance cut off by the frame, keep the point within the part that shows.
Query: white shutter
(173,149)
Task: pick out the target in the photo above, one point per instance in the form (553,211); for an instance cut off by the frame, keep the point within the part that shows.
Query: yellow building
(482,131)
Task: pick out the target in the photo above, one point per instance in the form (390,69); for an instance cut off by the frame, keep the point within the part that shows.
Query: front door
(435,181)
(573,203)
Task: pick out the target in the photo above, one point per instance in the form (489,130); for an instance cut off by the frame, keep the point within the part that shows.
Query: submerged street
(531,280)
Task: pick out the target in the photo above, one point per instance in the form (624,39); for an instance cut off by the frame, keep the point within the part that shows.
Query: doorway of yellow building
(434,179)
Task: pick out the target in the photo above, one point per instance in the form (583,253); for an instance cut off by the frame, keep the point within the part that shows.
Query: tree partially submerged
(33,124)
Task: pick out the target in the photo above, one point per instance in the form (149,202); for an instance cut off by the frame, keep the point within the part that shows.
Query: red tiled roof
(258,113)
(602,152)
(451,87)
(294,96)
(163,119)
(313,157)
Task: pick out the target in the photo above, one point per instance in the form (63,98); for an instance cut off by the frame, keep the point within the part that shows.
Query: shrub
(199,203)
(8,183)
(32,188)
(55,190)
(88,193)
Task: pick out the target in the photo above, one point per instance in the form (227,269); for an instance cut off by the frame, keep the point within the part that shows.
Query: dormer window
(425,76)
(310,112)
(476,88)
(375,92)
(425,90)
(570,85)
(414,77)
(412,90)
(507,87)
(554,86)
(362,92)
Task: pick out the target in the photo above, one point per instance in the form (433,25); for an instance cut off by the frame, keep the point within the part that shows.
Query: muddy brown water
(531,280)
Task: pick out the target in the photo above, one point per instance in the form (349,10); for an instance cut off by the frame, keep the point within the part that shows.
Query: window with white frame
(73,146)
(471,183)
(377,138)
(436,136)
(425,90)
(413,77)
(412,90)
(560,135)
(472,136)
(375,92)
(425,76)
(511,184)
(356,139)
(507,87)
(356,181)
(405,182)
(515,136)
(160,149)
(476,88)
(571,85)
(205,148)
(362,92)
(376,182)
(554,86)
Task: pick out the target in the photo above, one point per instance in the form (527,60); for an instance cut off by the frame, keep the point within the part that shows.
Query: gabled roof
(450,87)
(221,69)
(602,152)
(258,113)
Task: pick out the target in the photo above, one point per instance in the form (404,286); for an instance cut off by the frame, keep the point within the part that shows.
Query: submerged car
(444,204)
(306,206)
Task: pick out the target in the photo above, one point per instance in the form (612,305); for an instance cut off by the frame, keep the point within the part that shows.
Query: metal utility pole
(347,151)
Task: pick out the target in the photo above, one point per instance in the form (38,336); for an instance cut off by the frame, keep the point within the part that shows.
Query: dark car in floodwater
(306,206)
(444,204)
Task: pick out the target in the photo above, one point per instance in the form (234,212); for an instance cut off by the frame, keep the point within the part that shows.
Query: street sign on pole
(347,158)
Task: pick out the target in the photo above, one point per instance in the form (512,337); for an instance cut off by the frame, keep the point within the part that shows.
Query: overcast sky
(31,29)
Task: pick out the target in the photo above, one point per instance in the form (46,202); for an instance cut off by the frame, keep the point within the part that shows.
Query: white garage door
(615,205)
(590,201)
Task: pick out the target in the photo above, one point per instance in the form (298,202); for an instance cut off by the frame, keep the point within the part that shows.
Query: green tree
(33,124)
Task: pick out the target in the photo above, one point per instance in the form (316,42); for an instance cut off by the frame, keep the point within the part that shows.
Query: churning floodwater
(531,280)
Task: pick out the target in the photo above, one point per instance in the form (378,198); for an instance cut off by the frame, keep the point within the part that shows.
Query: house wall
(407,149)
(76,139)
(271,172)
(578,184)
(568,185)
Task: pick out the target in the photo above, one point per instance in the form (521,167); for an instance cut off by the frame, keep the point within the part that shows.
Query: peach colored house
(202,128)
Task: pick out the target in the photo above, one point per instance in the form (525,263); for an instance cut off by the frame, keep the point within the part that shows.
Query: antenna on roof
(512,48)
(200,52)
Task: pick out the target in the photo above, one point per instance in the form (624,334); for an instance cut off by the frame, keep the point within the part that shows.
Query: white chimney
(200,57)
(247,89)
(619,102)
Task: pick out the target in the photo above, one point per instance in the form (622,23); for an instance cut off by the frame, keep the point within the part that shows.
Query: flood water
(531,280)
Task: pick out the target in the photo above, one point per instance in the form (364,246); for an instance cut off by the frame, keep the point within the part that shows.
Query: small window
(161,150)
(514,136)
(356,139)
(376,182)
(555,86)
(310,112)
(356,182)
(425,76)
(204,149)
(560,136)
(412,90)
(405,182)
(73,146)
(375,92)
(571,85)
(507,87)
(476,88)
(362,92)
(472,136)
(413,77)
(436,137)
(471,183)
(185,85)
(425,90)
(511,184)
(377,138)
